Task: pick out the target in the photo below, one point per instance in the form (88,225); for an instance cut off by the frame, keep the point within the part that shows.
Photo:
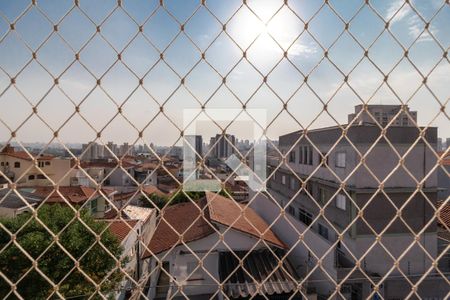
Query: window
(309,188)
(291,210)
(305,155)
(323,231)
(310,155)
(31,177)
(41,164)
(283,179)
(340,159)
(47,163)
(292,156)
(93,205)
(17,165)
(40,176)
(300,155)
(304,216)
(323,195)
(2,164)
(194,275)
(293,185)
(340,202)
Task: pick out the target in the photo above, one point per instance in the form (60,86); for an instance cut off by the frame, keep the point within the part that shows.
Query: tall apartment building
(192,154)
(223,145)
(322,211)
(126,149)
(93,151)
(383,114)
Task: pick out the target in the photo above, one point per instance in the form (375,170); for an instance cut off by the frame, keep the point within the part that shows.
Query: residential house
(134,230)
(97,202)
(20,167)
(13,203)
(218,231)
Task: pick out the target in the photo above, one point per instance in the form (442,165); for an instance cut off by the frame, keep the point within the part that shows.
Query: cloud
(302,50)
(415,28)
(398,10)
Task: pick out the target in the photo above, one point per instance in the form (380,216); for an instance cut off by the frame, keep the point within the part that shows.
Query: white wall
(178,261)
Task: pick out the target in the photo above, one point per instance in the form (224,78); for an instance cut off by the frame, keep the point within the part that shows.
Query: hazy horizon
(203,78)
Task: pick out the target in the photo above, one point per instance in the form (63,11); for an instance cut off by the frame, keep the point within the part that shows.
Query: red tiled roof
(180,217)
(221,210)
(121,228)
(227,212)
(23,155)
(73,194)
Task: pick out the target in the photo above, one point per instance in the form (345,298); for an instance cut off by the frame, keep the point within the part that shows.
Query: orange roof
(24,155)
(73,194)
(220,210)
(179,217)
(227,212)
(121,228)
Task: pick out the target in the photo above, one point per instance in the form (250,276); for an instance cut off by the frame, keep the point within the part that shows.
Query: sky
(278,29)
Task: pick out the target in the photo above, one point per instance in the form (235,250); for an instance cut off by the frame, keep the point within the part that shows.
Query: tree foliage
(52,261)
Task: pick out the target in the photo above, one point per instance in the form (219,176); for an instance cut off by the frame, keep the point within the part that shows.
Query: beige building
(21,168)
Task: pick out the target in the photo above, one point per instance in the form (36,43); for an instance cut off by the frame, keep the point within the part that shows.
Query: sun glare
(266,31)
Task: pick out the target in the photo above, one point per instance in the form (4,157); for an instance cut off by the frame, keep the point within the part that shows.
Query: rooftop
(187,218)
(121,228)
(73,194)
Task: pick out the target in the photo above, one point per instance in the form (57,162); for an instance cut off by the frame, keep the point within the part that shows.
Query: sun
(264,30)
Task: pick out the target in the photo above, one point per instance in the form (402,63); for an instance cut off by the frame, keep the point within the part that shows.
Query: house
(134,229)
(106,172)
(97,202)
(13,203)
(22,168)
(338,205)
(220,233)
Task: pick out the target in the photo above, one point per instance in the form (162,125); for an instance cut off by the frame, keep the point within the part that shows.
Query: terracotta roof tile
(121,228)
(24,155)
(73,194)
(176,219)
(227,212)
(179,217)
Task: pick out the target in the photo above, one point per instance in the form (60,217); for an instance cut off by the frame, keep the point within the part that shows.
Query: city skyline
(304,50)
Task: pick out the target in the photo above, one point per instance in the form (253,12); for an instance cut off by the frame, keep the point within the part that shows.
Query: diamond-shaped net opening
(209,149)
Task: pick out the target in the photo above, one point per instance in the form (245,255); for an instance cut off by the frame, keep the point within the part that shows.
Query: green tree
(77,240)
